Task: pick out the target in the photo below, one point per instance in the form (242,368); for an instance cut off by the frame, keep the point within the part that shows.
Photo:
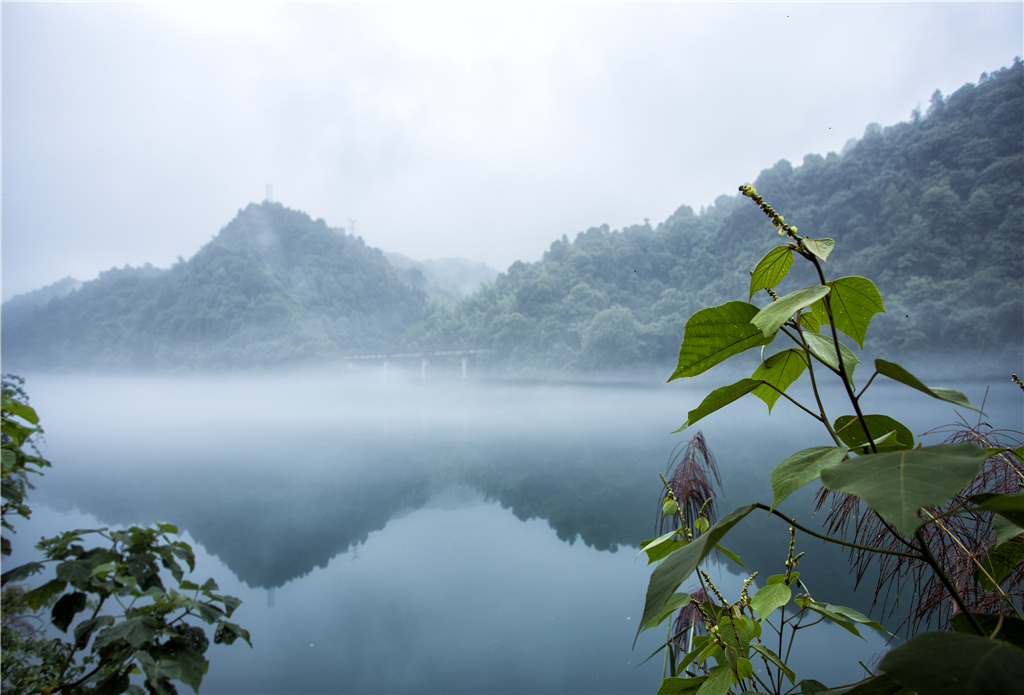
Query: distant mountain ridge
(273,287)
(931,210)
(448,278)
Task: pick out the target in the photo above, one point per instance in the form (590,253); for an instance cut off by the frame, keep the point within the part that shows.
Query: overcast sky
(133,133)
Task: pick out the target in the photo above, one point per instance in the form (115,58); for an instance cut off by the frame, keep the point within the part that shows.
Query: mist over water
(441,535)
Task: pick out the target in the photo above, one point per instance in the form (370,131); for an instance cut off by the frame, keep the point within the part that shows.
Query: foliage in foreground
(916,495)
(112,597)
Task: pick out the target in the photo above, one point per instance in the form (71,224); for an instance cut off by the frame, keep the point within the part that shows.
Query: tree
(123,619)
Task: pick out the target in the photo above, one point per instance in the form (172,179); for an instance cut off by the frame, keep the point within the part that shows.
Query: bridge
(422,355)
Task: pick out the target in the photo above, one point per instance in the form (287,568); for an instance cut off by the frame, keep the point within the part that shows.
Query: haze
(132,133)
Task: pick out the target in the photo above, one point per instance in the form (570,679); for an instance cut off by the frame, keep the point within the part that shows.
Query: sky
(133,133)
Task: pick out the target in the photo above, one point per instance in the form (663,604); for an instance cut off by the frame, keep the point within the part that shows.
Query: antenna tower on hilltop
(270,193)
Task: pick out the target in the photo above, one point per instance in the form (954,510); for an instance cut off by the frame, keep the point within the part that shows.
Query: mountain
(447,278)
(273,287)
(932,210)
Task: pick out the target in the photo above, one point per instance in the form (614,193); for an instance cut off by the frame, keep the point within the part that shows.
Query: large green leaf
(771,269)
(659,548)
(1000,561)
(897,484)
(774,659)
(681,686)
(1009,506)
(770,597)
(820,247)
(719,398)
(22,572)
(779,370)
(678,566)
(715,334)
(771,318)
(1005,529)
(1001,627)
(674,603)
(136,631)
(898,373)
(824,348)
(948,663)
(801,468)
(879,685)
(854,301)
(191,665)
(850,430)
(718,683)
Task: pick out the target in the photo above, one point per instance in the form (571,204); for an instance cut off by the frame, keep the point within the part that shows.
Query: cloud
(133,132)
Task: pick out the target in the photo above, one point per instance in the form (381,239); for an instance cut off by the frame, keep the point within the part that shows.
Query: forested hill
(272,287)
(931,210)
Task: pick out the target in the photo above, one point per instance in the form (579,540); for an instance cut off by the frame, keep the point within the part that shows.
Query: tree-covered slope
(272,287)
(932,209)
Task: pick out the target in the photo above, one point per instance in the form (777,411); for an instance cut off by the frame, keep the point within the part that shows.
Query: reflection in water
(276,477)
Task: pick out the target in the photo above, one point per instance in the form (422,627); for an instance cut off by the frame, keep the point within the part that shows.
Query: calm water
(440,537)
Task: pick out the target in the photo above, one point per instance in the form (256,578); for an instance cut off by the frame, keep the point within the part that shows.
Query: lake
(393,535)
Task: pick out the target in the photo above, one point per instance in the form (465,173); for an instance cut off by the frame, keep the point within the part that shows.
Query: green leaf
(678,566)
(730,554)
(191,666)
(136,631)
(718,399)
(879,685)
(899,483)
(20,573)
(66,608)
(715,334)
(820,247)
(854,616)
(851,431)
(1005,529)
(21,410)
(38,597)
(824,348)
(681,686)
(780,370)
(948,663)
(801,468)
(230,603)
(1001,627)
(718,683)
(675,602)
(820,609)
(771,269)
(1009,506)
(659,548)
(809,322)
(76,572)
(227,633)
(854,301)
(775,660)
(810,686)
(771,318)
(85,629)
(770,597)
(898,373)
(1000,561)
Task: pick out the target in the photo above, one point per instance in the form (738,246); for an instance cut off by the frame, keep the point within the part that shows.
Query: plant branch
(830,539)
(930,559)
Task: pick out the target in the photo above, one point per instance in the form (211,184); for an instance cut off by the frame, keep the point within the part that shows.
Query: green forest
(276,287)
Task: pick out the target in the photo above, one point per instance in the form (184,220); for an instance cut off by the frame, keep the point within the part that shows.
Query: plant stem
(930,559)
(776,512)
